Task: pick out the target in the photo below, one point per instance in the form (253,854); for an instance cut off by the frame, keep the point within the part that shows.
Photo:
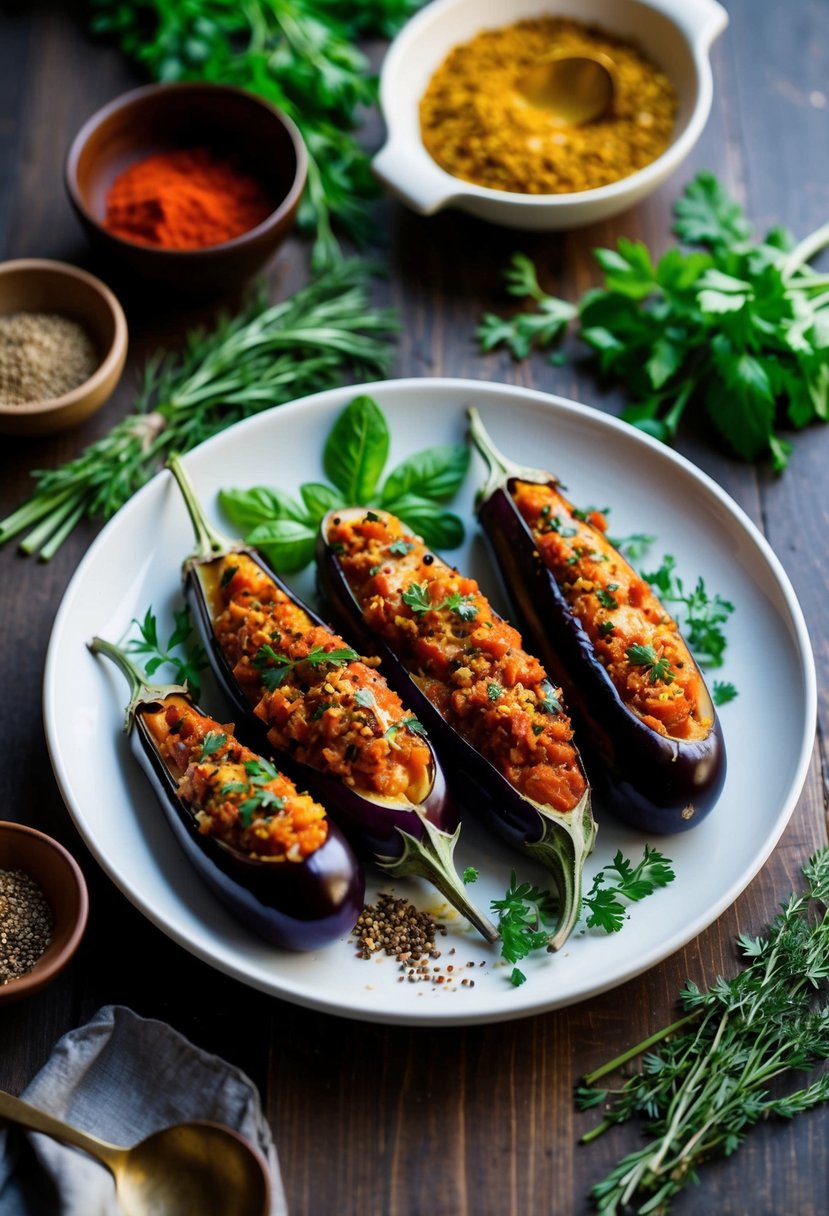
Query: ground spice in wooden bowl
(477,126)
(188,198)
(43,356)
(25,924)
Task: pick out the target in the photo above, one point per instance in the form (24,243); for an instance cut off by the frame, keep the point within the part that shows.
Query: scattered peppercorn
(397,927)
(42,356)
(25,924)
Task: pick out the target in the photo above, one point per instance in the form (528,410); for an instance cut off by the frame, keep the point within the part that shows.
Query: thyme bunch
(297,54)
(704,1079)
(262,357)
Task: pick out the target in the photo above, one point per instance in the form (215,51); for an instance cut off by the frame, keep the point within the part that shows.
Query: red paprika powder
(188,198)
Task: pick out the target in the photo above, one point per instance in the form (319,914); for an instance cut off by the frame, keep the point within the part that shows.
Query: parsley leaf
(212,742)
(704,615)
(416,596)
(723,692)
(275,668)
(625,881)
(187,666)
(526,918)
(735,329)
(646,656)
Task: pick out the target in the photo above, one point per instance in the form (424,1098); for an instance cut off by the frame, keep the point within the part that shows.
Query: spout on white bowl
(701,20)
(411,174)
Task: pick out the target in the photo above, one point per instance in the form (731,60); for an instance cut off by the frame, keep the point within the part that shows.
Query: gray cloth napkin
(120,1077)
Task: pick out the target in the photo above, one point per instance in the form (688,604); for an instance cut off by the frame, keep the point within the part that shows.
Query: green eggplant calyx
(141,691)
(432,858)
(499,467)
(210,542)
(565,844)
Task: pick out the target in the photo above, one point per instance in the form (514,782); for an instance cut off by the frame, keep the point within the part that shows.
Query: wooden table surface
(373,1119)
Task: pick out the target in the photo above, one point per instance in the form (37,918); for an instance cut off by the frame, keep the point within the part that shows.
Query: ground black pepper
(25,924)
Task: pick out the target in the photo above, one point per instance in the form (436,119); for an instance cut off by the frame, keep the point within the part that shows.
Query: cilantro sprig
(736,328)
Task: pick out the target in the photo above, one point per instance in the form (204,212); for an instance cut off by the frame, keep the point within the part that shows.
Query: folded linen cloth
(120,1077)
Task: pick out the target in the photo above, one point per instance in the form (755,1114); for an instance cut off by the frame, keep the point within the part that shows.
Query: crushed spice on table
(25,924)
(477,125)
(42,356)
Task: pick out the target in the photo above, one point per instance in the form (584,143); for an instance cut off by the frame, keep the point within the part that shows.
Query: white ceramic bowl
(675,34)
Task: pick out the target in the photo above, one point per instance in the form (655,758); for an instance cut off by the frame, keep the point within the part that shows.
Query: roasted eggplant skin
(299,906)
(560,841)
(652,782)
(296,905)
(372,825)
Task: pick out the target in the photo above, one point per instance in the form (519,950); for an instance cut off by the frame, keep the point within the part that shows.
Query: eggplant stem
(432,858)
(498,465)
(141,691)
(565,844)
(210,542)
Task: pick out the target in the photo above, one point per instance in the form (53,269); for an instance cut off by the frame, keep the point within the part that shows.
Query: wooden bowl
(37,285)
(59,876)
(160,118)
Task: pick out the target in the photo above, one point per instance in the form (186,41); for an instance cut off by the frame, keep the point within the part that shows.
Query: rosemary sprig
(706,1084)
(264,356)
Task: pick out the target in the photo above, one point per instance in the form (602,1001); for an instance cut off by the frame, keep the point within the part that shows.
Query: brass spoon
(575,89)
(184,1170)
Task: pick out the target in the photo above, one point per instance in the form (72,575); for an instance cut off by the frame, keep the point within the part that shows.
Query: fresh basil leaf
(286,543)
(356,450)
(319,499)
(440,529)
(435,473)
(246,509)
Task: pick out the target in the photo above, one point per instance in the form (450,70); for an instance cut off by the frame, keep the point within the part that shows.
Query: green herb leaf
(646,656)
(436,473)
(723,692)
(526,917)
(356,450)
(285,543)
(186,667)
(248,509)
(212,742)
(470,874)
(416,596)
(621,880)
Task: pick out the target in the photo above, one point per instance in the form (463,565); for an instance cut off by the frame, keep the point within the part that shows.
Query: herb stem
(626,1056)
(806,250)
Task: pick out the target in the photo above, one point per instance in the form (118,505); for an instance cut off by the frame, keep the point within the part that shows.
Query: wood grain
(390,1121)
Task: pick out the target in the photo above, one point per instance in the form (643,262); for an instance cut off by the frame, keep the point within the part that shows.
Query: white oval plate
(135,562)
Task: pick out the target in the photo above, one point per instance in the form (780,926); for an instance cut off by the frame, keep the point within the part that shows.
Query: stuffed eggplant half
(326,712)
(644,717)
(268,852)
(488,702)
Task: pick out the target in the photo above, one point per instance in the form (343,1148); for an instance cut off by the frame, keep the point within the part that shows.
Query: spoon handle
(38,1121)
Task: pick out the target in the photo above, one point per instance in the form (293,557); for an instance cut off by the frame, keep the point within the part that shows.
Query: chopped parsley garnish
(276,667)
(606,627)
(646,656)
(461,605)
(401,547)
(234,787)
(227,575)
(704,614)
(606,599)
(416,596)
(470,874)
(723,692)
(412,723)
(538,727)
(371,517)
(494,691)
(628,882)
(212,742)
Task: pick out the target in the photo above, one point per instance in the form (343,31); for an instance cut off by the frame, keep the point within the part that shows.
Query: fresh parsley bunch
(299,55)
(353,458)
(737,328)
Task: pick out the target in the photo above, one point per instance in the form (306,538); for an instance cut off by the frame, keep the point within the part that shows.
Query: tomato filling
(635,639)
(320,701)
(469,662)
(236,796)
